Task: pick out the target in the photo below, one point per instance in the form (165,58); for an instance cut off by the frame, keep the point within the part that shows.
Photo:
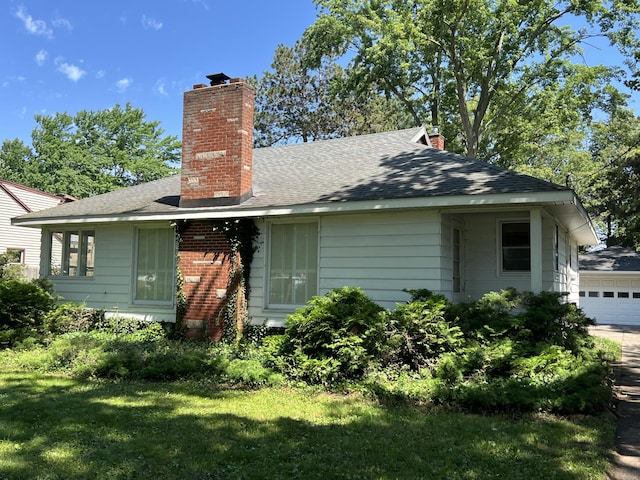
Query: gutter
(535,198)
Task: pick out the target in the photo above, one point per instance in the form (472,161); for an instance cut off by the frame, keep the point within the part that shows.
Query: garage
(610,286)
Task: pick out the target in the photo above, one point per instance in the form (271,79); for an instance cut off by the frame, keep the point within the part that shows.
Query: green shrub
(417,334)
(23,306)
(448,369)
(332,338)
(72,317)
(251,373)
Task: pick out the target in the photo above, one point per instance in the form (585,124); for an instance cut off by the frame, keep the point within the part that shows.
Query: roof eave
(573,209)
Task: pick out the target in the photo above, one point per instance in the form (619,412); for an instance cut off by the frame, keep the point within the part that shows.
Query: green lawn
(54,427)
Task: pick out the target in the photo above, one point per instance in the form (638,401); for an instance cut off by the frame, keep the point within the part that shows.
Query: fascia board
(535,198)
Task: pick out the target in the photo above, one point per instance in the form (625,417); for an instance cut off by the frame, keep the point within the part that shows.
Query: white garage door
(611,300)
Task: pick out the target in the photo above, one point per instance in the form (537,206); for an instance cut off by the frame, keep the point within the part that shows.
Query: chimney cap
(218,78)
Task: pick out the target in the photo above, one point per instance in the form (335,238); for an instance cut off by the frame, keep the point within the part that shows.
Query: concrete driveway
(627,390)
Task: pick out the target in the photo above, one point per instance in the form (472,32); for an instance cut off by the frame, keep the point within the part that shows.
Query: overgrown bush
(331,339)
(23,307)
(417,333)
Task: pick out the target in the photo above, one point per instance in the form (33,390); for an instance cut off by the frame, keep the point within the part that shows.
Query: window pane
(88,252)
(71,254)
(71,243)
(55,253)
(516,247)
(155,261)
(293,276)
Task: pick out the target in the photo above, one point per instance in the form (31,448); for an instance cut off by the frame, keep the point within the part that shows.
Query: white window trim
(48,245)
(134,269)
(284,307)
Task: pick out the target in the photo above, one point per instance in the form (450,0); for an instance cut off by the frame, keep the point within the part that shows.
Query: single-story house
(385,212)
(610,285)
(22,245)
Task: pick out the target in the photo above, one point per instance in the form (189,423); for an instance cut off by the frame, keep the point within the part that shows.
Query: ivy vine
(241,235)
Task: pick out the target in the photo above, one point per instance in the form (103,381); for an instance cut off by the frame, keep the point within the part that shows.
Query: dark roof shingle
(367,167)
(611,259)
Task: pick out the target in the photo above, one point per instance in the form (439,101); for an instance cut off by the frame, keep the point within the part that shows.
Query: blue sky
(70,55)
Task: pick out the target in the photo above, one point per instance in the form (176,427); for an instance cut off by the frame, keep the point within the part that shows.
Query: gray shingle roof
(611,259)
(368,167)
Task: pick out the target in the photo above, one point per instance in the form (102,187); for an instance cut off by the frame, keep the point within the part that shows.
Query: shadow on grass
(53,427)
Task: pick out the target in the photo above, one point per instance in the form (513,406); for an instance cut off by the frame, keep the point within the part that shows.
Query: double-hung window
(293,263)
(516,246)
(155,261)
(72,253)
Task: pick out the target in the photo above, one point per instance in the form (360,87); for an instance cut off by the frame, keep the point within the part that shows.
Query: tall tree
(467,65)
(295,102)
(91,153)
(614,196)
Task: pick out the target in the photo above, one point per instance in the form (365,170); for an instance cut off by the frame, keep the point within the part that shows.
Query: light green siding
(382,252)
(110,289)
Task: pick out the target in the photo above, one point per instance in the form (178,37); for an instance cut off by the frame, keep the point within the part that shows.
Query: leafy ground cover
(55,427)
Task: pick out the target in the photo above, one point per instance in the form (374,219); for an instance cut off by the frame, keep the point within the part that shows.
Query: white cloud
(150,23)
(204,4)
(160,88)
(60,22)
(123,84)
(100,74)
(33,26)
(41,57)
(73,72)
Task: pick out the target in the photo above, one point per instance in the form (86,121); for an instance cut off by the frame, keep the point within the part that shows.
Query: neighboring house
(610,285)
(20,244)
(384,212)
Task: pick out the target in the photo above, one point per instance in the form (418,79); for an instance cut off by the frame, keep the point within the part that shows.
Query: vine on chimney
(180,329)
(241,235)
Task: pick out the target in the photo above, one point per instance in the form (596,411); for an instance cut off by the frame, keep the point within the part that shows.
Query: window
(72,253)
(293,263)
(155,261)
(607,294)
(516,247)
(594,294)
(457,253)
(14,255)
(623,294)
(582,293)
(636,294)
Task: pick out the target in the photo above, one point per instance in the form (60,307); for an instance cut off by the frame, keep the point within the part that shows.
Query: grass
(56,427)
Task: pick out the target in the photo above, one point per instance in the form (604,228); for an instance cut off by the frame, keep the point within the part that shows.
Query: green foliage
(251,373)
(23,307)
(297,102)
(333,337)
(72,318)
(9,270)
(91,153)
(524,317)
(615,186)
(466,66)
(508,351)
(511,352)
(417,334)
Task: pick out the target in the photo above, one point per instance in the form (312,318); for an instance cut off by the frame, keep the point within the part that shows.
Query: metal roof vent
(218,79)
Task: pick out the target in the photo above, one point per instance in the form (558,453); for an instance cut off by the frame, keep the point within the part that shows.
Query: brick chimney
(217,143)
(436,139)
